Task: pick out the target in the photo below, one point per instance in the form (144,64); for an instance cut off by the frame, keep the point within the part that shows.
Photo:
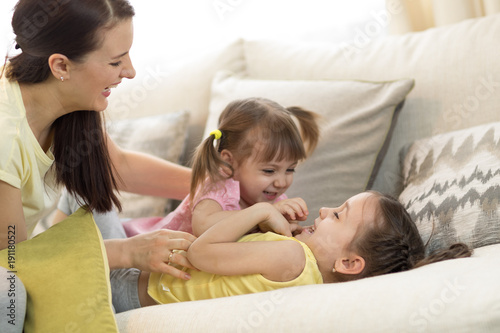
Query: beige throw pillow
(357,118)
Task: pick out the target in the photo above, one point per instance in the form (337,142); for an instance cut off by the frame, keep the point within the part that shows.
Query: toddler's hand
(294,209)
(277,222)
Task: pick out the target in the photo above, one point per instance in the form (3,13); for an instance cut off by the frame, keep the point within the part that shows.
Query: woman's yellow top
(23,162)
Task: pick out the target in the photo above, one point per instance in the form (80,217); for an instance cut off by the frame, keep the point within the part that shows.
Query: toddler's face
(263,181)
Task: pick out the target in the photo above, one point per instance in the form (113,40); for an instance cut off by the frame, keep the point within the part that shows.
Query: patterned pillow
(452,187)
(163,136)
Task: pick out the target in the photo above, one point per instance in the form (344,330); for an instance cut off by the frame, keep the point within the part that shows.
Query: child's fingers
(290,212)
(300,206)
(295,228)
(296,208)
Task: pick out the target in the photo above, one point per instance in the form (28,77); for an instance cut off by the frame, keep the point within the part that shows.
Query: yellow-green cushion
(66,275)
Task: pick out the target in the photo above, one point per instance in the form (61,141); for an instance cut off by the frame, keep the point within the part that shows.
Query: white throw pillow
(452,187)
(163,136)
(356,122)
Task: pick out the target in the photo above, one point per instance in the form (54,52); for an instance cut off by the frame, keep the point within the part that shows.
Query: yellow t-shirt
(166,289)
(23,163)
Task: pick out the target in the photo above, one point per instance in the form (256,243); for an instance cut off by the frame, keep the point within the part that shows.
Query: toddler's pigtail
(206,163)
(455,251)
(309,128)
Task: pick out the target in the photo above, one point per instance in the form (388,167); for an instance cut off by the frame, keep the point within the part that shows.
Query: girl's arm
(206,214)
(217,250)
(12,222)
(146,174)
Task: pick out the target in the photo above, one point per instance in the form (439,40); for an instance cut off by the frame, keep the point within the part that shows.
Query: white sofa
(449,80)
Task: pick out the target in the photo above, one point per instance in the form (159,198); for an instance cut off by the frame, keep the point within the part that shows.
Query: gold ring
(170,257)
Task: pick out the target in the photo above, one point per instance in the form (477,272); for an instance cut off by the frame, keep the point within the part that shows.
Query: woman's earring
(62,78)
(333,270)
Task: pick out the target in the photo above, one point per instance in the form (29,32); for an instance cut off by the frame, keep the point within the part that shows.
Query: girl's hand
(276,221)
(154,252)
(294,209)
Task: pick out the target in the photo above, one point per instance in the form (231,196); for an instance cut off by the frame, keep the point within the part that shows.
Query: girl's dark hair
(246,123)
(73,28)
(393,243)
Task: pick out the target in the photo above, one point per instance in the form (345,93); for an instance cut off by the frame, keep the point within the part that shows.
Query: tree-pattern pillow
(452,187)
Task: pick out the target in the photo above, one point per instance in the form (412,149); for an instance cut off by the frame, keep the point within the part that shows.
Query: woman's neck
(43,106)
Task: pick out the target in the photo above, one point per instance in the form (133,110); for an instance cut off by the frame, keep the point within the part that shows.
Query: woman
(51,95)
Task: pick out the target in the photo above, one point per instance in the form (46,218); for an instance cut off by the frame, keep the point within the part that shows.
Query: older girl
(370,234)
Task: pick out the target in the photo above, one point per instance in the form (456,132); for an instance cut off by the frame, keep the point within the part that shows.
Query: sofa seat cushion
(460,295)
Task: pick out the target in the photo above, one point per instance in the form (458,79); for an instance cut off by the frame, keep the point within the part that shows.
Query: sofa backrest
(455,67)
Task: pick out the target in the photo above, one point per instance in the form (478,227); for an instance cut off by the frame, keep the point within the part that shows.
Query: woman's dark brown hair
(255,121)
(393,244)
(73,28)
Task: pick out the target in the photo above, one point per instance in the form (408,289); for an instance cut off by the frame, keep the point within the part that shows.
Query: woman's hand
(154,252)
(294,209)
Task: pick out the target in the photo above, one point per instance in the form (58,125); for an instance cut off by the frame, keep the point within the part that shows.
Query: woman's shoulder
(11,102)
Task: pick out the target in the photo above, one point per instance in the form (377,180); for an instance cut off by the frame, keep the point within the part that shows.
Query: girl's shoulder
(225,192)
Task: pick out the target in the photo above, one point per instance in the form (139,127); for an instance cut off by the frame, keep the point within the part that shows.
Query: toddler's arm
(217,250)
(206,214)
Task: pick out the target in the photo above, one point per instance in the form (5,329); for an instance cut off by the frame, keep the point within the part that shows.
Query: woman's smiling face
(91,80)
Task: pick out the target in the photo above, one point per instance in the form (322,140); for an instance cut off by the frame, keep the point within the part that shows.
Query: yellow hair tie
(217,133)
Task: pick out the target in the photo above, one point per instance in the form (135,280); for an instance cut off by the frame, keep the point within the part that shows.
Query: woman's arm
(12,222)
(148,252)
(146,174)
(217,250)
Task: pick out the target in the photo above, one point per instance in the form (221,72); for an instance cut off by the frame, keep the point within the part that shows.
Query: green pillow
(66,275)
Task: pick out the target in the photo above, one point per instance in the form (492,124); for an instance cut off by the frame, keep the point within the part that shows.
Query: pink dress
(226,194)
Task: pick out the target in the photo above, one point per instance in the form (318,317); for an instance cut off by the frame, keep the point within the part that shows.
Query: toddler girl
(250,158)
(370,234)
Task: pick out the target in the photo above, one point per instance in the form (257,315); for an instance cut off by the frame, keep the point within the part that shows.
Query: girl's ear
(350,265)
(59,66)
(227,156)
